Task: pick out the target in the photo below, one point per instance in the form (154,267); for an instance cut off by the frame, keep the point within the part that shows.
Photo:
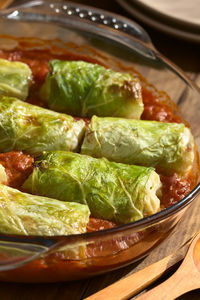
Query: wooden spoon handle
(5,3)
(177,285)
(185,279)
(129,286)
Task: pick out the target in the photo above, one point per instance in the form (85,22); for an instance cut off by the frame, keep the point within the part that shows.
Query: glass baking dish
(116,42)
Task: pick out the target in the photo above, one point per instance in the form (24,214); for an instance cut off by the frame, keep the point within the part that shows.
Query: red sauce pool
(18,167)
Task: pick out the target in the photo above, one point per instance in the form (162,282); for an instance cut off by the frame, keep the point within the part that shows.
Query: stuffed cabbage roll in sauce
(83,89)
(167,146)
(117,192)
(34,129)
(27,214)
(15,79)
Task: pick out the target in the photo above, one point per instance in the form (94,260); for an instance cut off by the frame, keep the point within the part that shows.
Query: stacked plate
(180,18)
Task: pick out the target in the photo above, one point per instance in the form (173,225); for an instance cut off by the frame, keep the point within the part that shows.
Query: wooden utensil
(5,3)
(185,279)
(130,285)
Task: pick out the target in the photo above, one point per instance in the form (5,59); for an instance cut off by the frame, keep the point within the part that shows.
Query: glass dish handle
(77,12)
(18,251)
(101,17)
(95,15)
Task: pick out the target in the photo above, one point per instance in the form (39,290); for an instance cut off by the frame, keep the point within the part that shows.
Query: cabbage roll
(83,89)
(33,129)
(14,79)
(166,146)
(113,191)
(26,214)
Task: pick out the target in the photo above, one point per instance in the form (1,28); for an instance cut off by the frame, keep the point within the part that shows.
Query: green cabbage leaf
(26,214)
(112,191)
(83,89)
(14,79)
(34,129)
(166,146)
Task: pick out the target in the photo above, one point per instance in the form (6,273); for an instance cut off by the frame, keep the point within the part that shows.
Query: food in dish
(27,214)
(15,79)
(104,250)
(34,129)
(117,192)
(167,146)
(84,89)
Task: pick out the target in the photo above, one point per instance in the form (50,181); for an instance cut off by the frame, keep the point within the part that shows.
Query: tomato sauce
(98,224)
(18,167)
(156,110)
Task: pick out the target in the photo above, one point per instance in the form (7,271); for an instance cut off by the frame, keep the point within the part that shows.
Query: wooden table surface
(187,56)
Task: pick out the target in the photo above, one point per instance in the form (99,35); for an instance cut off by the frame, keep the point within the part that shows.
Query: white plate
(176,17)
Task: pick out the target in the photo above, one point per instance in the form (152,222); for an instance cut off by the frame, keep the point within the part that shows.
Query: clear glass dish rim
(152,219)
